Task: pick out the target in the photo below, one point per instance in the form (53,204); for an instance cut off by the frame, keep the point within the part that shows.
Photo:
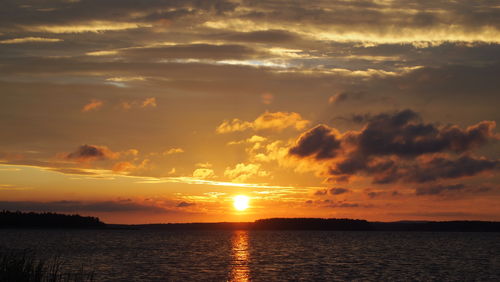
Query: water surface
(142,255)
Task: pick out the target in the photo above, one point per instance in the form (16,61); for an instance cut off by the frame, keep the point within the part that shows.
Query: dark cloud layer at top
(45,12)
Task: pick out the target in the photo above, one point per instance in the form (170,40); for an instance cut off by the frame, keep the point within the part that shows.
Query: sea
(153,255)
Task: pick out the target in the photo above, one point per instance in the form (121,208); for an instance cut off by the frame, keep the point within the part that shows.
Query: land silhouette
(17,219)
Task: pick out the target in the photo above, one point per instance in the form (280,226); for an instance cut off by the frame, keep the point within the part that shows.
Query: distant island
(19,219)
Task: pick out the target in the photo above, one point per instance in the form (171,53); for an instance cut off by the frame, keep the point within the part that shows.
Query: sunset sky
(164,111)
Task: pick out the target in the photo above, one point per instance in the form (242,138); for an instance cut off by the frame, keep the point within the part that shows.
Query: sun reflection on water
(240,270)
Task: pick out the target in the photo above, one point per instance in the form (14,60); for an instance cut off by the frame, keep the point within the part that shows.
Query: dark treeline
(47,220)
(311,224)
(329,224)
(53,220)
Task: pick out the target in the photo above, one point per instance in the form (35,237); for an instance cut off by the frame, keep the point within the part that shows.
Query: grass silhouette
(23,266)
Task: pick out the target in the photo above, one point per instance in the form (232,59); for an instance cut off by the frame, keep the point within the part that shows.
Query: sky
(165,110)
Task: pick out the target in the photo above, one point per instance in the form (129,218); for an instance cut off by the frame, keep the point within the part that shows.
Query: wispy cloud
(29,40)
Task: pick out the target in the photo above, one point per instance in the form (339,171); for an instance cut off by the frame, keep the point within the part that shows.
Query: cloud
(254,139)
(29,40)
(123,166)
(338,191)
(438,189)
(204,173)
(77,171)
(440,167)
(86,153)
(92,26)
(233,126)
(280,121)
(204,165)
(93,105)
(375,194)
(146,103)
(185,204)
(344,96)
(172,151)
(343,204)
(320,142)
(277,121)
(267,98)
(149,102)
(79,206)
(320,192)
(118,79)
(242,172)
(398,147)
(264,36)
(193,51)
(9,187)
(404,135)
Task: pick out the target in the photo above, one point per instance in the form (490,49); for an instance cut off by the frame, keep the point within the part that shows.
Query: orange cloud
(123,166)
(204,173)
(242,172)
(93,105)
(277,121)
(149,102)
(173,151)
(204,165)
(254,139)
(267,98)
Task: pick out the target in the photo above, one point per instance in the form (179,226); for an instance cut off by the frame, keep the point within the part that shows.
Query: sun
(241,202)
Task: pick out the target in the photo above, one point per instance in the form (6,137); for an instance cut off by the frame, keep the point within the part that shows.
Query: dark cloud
(319,142)
(91,153)
(398,146)
(441,167)
(338,191)
(375,194)
(354,118)
(320,192)
(264,36)
(404,135)
(344,96)
(78,206)
(185,204)
(71,12)
(438,189)
(419,171)
(369,14)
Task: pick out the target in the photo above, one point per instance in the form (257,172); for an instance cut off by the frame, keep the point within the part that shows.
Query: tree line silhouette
(19,219)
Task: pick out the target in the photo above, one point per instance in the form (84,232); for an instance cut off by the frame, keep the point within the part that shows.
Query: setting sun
(241,202)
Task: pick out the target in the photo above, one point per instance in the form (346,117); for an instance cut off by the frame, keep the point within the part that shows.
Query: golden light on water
(240,270)
(241,202)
